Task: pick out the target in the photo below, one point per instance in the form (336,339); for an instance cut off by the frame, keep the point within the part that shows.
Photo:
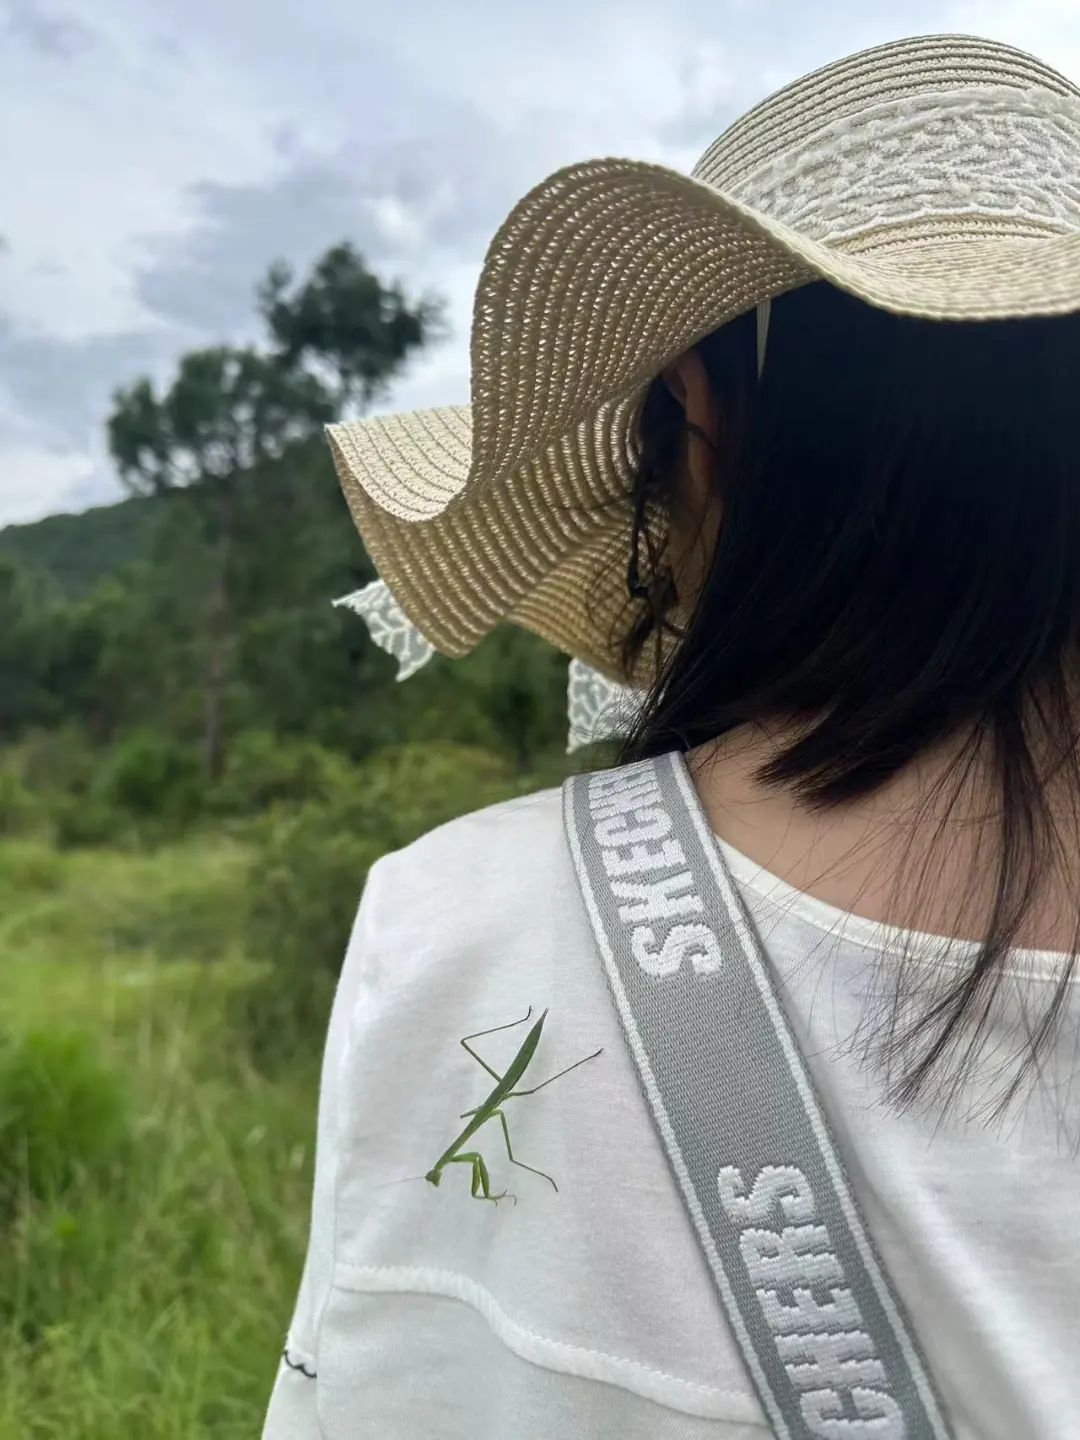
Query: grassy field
(154,1179)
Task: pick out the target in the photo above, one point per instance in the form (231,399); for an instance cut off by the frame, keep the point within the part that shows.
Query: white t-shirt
(591,1312)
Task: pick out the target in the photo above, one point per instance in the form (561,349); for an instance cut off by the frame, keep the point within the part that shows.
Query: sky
(158,155)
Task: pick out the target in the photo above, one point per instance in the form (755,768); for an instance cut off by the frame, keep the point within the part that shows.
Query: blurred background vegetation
(200,759)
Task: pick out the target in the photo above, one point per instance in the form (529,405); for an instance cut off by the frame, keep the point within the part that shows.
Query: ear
(688,381)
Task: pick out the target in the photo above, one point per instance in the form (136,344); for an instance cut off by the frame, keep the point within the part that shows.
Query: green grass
(154,1184)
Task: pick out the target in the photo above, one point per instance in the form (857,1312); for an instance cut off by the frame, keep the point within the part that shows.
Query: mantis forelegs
(480,1188)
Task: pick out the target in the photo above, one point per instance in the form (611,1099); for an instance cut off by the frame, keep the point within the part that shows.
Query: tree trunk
(219,634)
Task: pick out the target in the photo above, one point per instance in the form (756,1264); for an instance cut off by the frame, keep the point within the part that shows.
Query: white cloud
(34,483)
(161,155)
(102,145)
(440,376)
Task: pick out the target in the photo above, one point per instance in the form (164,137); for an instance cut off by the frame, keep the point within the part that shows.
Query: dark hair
(898,564)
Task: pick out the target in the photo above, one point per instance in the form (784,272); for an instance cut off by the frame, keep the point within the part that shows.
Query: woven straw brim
(516,507)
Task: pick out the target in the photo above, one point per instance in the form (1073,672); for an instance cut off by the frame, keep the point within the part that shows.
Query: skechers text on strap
(822,1332)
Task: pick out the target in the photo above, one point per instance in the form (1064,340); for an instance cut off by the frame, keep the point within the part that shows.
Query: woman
(789,448)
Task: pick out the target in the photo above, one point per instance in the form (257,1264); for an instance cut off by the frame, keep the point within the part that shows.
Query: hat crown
(899,137)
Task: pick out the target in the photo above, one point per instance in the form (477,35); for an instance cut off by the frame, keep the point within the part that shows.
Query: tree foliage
(357,330)
(335,342)
(226,412)
(25,641)
(76,551)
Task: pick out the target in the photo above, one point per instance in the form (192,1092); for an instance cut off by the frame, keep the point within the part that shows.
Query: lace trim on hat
(390,627)
(597,708)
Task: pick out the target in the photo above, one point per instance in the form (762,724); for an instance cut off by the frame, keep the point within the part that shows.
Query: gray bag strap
(822,1332)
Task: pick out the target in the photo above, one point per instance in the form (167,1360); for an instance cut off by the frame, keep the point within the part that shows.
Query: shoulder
(477,871)
(469,921)
(523,822)
(470,926)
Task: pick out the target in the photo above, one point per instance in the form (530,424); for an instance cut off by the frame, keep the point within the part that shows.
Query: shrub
(264,770)
(303,892)
(402,790)
(86,820)
(304,889)
(60,761)
(21,812)
(151,777)
(62,1113)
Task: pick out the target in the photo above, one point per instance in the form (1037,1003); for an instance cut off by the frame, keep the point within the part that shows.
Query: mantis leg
(520,1163)
(477,1034)
(556,1076)
(480,1188)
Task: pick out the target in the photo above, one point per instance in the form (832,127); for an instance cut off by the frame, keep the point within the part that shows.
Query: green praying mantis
(491,1109)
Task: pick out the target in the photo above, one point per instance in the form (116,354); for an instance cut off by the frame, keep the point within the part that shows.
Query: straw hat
(937,177)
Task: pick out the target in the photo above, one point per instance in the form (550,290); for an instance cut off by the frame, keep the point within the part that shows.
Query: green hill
(75,551)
